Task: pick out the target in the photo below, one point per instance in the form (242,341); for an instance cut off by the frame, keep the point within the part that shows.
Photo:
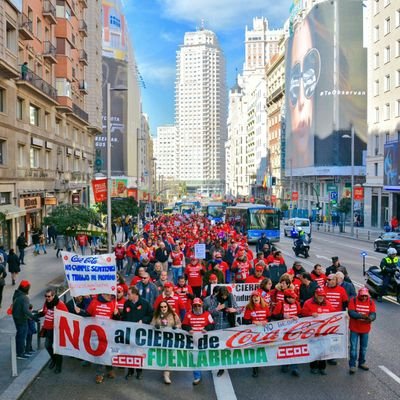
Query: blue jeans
(21,255)
(37,248)
(20,337)
(176,273)
(196,375)
(353,348)
(385,284)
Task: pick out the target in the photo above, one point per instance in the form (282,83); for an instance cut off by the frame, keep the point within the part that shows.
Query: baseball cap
(197,300)
(213,277)
(168,285)
(259,267)
(290,293)
(320,291)
(24,284)
(120,288)
(363,292)
(255,293)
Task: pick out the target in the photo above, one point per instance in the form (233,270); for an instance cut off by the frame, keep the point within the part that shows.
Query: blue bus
(215,212)
(253,220)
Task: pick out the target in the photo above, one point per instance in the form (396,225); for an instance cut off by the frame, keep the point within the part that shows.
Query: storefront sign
(295,196)
(99,189)
(128,344)
(30,203)
(358,193)
(76,198)
(50,201)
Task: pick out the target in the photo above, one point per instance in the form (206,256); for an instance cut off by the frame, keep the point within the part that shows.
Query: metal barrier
(14,366)
(359,233)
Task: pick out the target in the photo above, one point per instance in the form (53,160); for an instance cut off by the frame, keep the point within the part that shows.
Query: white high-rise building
(201,112)
(166,152)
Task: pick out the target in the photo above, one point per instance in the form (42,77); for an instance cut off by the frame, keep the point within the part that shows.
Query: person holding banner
(165,317)
(138,310)
(195,321)
(312,308)
(265,291)
(257,312)
(47,331)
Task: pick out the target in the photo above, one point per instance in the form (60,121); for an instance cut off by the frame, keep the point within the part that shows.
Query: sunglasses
(308,72)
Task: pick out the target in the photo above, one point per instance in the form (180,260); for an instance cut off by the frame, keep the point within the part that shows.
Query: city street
(382,381)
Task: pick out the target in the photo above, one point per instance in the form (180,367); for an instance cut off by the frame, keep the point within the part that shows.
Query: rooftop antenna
(202,24)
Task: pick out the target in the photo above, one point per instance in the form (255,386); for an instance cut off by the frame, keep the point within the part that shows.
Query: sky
(157,28)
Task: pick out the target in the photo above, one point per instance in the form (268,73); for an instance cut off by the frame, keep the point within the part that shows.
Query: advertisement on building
(114,30)
(391,167)
(115,72)
(119,188)
(326,87)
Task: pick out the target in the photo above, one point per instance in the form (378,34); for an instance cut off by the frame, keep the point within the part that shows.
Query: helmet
(391,251)
(299,229)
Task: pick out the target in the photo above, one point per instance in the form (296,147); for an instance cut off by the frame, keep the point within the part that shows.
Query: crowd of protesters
(161,282)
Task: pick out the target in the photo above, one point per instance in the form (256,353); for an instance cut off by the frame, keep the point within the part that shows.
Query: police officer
(388,267)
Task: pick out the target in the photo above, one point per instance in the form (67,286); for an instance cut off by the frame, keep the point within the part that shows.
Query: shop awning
(11,211)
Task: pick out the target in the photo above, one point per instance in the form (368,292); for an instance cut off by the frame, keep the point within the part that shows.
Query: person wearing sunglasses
(51,302)
(302,79)
(165,317)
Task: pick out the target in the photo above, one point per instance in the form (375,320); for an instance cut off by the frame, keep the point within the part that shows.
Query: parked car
(386,240)
(303,223)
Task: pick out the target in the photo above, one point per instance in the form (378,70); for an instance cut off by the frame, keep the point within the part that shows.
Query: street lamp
(108,116)
(155,182)
(352,179)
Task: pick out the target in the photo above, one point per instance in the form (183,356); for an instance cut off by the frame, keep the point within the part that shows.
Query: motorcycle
(301,246)
(374,283)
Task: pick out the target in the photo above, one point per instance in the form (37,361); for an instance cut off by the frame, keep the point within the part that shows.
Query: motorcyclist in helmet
(388,267)
(301,237)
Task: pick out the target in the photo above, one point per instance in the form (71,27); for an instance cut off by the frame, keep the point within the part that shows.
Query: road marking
(323,257)
(373,258)
(223,386)
(390,299)
(390,373)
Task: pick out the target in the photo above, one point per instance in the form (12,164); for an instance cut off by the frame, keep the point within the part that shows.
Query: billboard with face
(391,167)
(115,72)
(326,81)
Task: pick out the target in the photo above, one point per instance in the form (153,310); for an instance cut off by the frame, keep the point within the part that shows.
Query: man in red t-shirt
(194,272)
(362,312)
(170,297)
(119,256)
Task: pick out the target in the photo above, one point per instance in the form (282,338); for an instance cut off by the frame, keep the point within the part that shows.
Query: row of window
(386,83)
(387,26)
(387,111)
(385,4)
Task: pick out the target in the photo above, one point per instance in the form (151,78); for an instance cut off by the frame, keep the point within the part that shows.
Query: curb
(27,376)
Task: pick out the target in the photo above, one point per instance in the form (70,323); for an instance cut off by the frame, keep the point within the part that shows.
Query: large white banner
(128,344)
(88,275)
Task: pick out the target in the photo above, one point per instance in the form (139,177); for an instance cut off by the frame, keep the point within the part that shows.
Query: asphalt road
(381,382)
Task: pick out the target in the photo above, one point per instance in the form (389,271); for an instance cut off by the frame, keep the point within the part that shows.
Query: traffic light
(319,206)
(273,181)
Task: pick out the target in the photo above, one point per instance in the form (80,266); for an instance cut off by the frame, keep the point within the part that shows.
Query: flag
(264,184)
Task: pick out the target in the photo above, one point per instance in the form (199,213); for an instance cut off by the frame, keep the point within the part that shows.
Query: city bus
(189,207)
(253,220)
(215,212)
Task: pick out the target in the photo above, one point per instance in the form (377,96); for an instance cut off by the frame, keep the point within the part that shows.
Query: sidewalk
(42,271)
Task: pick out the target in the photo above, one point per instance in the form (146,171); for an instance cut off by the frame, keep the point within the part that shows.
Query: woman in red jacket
(52,302)
(257,313)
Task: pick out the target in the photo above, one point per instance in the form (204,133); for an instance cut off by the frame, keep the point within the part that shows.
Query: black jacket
(161,254)
(306,292)
(13,263)
(139,311)
(20,307)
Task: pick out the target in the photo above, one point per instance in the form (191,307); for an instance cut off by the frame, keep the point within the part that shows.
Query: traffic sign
(333,196)
(363,254)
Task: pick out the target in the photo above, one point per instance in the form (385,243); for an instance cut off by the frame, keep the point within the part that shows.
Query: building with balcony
(45,145)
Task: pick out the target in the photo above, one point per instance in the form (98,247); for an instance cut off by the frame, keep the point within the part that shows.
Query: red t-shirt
(310,307)
(174,301)
(100,309)
(48,323)
(287,310)
(320,279)
(364,308)
(258,314)
(198,322)
(253,279)
(182,293)
(194,276)
(336,296)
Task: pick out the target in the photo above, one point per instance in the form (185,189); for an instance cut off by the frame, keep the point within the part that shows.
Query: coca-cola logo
(302,330)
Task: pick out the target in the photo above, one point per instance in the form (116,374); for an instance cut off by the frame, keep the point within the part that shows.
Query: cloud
(225,14)
(157,75)
(169,37)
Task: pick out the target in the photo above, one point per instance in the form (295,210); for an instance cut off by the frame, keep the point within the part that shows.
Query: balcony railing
(83,57)
(36,81)
(49,49)
(83,28)
(80,113)
(25,27)
(49,10)
(83,86)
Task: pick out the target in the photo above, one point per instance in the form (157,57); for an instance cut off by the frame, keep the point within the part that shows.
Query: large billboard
(114,30)
(326,90)
(391,167)
(115,72)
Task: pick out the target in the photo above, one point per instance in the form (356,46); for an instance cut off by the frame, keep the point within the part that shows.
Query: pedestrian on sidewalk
(13,265)
(21,244)
(21,315)
(42,242)
(36,242)
(29,337)
(60,244)
(3,275)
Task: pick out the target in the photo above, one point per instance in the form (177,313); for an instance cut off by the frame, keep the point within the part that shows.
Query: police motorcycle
(374,281)
(301,244)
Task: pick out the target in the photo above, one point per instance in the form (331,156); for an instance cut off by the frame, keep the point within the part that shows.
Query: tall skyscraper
(201,112)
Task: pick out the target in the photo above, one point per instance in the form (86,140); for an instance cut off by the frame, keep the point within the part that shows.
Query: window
(376,169)
(387,83)
(397,18)
(34,155)
(2,100)
(21,155)
(376,33)
(376,145)
(63,87)
(20,108)
(11,37)
(386,54)
(3,144)
(39,29)
(386,26)
(34,115)
(376,60)
(386,3)
(47,160)
(397,48)
(47,121)
(58,123)
(397,111)
(376,7)
(387,111)
(376,115)
(376,87)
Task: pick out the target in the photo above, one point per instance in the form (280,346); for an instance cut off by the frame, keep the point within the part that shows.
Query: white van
(303,223)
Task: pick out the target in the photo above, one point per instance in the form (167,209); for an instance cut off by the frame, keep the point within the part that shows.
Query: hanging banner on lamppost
(358,193)
(99,189)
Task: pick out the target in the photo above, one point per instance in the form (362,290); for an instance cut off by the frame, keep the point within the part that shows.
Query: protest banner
(241,293)
(200,251)
(88,275)
(128,344)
